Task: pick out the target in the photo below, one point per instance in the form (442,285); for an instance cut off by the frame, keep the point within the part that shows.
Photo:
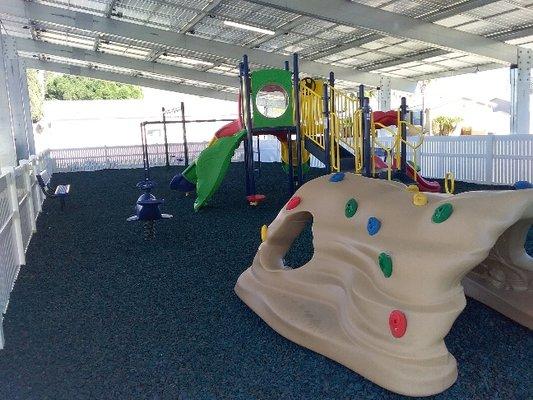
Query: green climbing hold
(385,263)
(351,208)
(442,213)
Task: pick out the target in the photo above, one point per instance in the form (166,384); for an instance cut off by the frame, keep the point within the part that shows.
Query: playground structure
(359,300)
(343,132)
(308,116)
(266,107)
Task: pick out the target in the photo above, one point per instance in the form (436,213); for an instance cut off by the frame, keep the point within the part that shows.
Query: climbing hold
(520,185)
(337,177)
(420,199)
(373,226)
(351,208)
(449,183)
(413,188)
(264,230)
(442,213)
(397,323)
(293,203)
(385,263)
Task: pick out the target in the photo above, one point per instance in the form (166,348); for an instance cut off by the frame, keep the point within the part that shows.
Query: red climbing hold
(397,323)
(293,203)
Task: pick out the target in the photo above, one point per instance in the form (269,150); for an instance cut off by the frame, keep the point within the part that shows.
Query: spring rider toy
(147,207)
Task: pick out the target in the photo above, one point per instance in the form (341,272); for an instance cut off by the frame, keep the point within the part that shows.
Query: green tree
(68,87)
(35,89)
(444,125)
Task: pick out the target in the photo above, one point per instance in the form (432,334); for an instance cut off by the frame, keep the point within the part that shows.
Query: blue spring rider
(147,207)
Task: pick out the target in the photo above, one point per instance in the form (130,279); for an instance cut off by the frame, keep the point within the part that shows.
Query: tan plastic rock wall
(380,304)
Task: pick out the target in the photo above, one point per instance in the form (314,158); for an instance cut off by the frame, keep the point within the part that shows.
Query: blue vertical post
(291,169)
(286,65)
(403,132)
(361,95)
(297,116)
(367,143)
(144,143)
(243,116)
(248,141)
(327,141)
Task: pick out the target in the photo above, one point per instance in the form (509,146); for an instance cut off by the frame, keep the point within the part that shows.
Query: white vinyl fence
(20,204)
(124,157)
(490,159)
(487,159)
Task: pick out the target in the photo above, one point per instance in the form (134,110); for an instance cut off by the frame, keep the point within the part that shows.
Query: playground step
(347,162)
(315,150)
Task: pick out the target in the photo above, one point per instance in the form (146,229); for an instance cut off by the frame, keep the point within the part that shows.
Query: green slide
(208,170)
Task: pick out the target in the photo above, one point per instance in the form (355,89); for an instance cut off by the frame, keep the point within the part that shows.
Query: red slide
(423,184)
(229,129)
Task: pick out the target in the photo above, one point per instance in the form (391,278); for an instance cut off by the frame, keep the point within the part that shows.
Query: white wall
(74,124)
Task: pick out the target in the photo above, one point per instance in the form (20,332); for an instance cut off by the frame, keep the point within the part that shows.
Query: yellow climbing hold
(420,199)
(449,183)
(264,230)
(413,188)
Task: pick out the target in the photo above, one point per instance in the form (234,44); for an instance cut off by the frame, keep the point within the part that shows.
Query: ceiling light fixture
(249,28)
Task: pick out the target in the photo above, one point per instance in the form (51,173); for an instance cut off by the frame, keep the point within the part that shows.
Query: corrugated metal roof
(314,38)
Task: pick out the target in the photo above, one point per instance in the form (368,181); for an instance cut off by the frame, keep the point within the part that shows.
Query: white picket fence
(487,159)
(20,204)
(124,157)
(491,159)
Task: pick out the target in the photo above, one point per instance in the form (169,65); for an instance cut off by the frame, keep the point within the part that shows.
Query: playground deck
(98,313)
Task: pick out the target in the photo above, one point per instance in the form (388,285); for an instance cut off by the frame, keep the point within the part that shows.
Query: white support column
(28,171)
(520,91)
(14,204)
(384,93)
(8,155)
(27,105)
(13,75)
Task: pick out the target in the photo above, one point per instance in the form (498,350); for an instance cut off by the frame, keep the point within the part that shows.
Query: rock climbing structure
(383,287)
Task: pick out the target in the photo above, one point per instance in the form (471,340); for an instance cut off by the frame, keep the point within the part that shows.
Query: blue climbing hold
(523,185)
(336,177)
(373,226)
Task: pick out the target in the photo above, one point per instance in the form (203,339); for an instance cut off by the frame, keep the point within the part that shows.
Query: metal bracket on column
(384,93)
(520,91)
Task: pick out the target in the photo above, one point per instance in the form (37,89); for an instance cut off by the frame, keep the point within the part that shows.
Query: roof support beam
(112,27)
(110,7)
(39,47)
(280,31)
(461,71)
(398,25)
(418,56)
(128,79)
(207,9)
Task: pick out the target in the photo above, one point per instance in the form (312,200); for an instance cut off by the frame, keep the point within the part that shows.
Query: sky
(469,97)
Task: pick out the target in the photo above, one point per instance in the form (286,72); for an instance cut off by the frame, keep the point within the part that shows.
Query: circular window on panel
(272,101)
